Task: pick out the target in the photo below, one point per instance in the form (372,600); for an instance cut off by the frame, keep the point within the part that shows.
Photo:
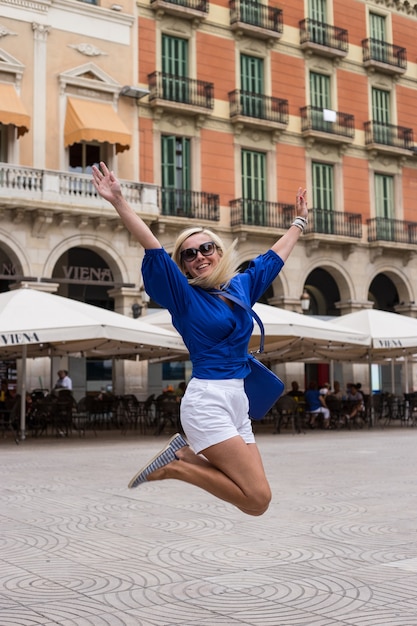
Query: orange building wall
(352,95)
(146,150)
(217,164)
(288,81)
(216,63)
(291,172)
(147,39)
(356,186)
(409,180)
(406,107)
(354,22)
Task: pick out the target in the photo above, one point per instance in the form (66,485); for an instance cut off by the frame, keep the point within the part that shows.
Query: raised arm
(108,187)
(283,247)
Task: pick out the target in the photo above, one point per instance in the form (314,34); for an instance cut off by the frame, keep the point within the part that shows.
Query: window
(384,206)
(253,187)
(317,12)
(323,197)
(176,175)
(252,86)
(250,11)
(381,116)
(320,100)
(3,143)
(175,68)
(377,30)
(82,156)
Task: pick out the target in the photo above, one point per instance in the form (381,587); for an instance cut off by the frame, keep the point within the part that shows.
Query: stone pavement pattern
(338,545)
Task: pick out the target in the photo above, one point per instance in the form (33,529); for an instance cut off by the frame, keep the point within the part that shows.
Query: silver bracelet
(300,217)
(300,223)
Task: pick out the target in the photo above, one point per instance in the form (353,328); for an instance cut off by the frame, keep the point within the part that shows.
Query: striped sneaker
(177,442)
(161,459)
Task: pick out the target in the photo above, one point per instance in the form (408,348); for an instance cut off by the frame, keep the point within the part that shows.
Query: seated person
(316,405)
(355,401)
(295,391)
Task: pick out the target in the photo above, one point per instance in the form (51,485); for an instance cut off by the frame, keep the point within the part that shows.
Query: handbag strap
(247,308)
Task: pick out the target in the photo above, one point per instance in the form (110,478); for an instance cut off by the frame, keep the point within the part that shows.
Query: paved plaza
(338,545)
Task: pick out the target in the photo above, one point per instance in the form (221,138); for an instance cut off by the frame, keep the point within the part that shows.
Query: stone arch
(16,254)
(400,281)
(341,279)
(100,246)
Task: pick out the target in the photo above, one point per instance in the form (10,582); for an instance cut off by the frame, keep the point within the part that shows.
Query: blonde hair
(222,273)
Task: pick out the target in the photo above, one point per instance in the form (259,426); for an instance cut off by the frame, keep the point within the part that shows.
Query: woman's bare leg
(231,470)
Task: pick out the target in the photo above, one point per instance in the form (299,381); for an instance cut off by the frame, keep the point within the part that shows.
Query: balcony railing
(317,119)
(379,53)
(182,6)
(173,88)
(388,135)
(63,188)
(256,15)
(397,231)
(314,34)
(248,212)
(334,223)
(248,104)
(189,204)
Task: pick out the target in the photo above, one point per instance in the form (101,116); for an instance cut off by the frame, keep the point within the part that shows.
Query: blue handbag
(262,386)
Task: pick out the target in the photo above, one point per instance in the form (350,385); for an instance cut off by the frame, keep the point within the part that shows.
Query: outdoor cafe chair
(287,412)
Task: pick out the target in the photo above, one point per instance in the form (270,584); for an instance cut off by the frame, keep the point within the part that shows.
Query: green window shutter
(377,27)
(384,207)
(323,197)
(384,196)
(252,86)
(175,69)
(174,56)
(317,10)
(320,99)
(378,35)
(381,116)
(176,175)
(250,12)
(253,187)
(320,90)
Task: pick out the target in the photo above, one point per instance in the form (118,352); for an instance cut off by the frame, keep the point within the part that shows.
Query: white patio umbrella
(290,336)
(34,323)
(391,336)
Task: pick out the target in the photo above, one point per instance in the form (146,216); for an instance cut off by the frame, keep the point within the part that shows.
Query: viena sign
(14,339)
(388,343)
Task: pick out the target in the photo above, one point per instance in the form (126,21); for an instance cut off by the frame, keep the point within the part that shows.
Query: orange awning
(12,110)
(95,121)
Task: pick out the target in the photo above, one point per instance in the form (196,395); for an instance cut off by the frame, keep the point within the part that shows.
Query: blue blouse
(215,334)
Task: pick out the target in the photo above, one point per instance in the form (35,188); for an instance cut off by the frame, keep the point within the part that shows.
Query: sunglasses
(206,249)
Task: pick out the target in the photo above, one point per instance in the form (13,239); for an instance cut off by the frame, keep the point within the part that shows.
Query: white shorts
(215,410)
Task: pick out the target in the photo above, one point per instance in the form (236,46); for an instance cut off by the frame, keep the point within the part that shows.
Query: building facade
(247,101)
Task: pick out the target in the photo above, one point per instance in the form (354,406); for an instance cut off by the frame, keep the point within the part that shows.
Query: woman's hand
(106,184)
(301,202)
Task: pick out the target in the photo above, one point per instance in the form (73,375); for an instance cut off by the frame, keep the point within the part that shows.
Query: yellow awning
(12,110)
(94,121)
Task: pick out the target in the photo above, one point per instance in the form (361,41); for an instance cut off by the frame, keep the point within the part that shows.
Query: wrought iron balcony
(324,39)
(248,212)
(397,231)
(189,204)
(258,110)
(388,138)
(187,9)
(180,93)
(254,18)
(328,125)
(383,56)
(334,223)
